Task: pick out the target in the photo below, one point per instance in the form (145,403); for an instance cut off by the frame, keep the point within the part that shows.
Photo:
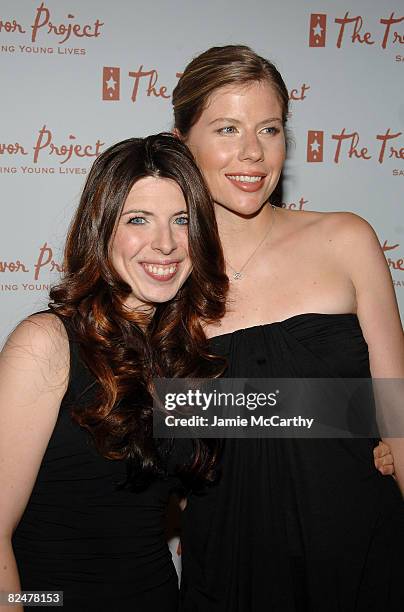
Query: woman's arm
(34,370)
(376,308)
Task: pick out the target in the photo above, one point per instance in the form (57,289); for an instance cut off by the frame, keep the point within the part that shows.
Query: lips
(250,182)
(160,271)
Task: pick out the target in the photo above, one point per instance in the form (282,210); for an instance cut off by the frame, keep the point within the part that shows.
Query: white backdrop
(69,89)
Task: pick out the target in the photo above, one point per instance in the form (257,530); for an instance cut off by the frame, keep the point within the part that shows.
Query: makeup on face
(149,250)
(239,145)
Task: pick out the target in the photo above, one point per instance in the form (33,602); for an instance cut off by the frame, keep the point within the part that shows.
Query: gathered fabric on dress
(295,525)
(82,533)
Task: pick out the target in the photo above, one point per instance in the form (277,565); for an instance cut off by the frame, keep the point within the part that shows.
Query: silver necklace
(238,274)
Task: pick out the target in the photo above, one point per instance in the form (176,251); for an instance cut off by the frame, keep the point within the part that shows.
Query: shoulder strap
(81,380)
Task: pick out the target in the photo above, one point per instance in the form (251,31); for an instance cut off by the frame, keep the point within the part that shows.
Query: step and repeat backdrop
(78,76)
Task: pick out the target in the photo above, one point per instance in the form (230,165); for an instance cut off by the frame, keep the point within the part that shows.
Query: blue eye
(228,129)
(137,220)
(181,220)
(271,130)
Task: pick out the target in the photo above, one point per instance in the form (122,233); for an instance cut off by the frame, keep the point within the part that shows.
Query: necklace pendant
(237,275)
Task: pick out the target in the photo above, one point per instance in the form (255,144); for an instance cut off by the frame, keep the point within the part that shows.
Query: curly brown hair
(119,346)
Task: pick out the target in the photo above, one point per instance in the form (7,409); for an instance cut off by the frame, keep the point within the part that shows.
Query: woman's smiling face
(149,250)
(239,145)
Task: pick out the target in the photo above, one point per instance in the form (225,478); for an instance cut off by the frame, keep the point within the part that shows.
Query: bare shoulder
(344,230)
(354,241)
(43,333)
(39,343)
(312,219)
(348,226)
(34,374)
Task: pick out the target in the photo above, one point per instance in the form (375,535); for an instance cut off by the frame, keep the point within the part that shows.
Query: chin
(245,203)
(166,298)
(159,297)
(247,207)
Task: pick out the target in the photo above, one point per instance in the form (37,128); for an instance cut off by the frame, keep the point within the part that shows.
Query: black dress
(295,525)
(103,546)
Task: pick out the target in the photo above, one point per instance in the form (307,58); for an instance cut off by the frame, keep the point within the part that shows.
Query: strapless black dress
(295,525)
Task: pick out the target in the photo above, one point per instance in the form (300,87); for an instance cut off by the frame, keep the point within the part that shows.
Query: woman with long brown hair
(292,524)
(84,486)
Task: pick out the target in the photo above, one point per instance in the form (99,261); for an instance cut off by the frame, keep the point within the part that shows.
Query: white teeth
(242,178)
(160,270)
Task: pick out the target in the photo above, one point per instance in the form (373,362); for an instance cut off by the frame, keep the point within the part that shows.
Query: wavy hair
(124,348)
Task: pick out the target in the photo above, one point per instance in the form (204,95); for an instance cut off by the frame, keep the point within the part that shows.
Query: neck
(239,233)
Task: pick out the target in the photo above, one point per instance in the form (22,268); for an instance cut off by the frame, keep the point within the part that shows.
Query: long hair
(119,346)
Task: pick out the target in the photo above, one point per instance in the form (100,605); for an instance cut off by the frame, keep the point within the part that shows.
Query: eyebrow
(231,120)
(150,214)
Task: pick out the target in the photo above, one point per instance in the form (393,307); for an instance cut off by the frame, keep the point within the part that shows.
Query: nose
(251,148)
(164,240)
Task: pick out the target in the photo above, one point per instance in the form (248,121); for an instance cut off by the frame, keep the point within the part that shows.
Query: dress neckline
(287,320)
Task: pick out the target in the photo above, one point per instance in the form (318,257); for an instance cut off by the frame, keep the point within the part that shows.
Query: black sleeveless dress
(295,525)
(104,547)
